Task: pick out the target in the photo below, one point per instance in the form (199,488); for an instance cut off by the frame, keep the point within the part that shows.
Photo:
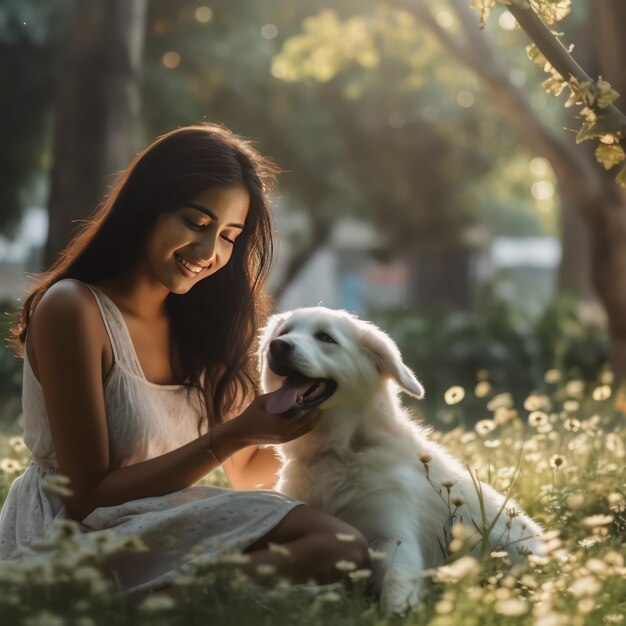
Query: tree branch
(558,56)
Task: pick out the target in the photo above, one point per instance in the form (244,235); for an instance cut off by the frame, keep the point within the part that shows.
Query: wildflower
(482,389)
(575,388)
(17,443)
(571,423)
(448,484)
(464,567)
(603,392)
(360,574)
(468,437)
(597,520)
(443,607)
(503,416)
(614,559)
(454,395)
(57,484)
(376,555)
(511,607)
(501,554)
(552,376)
(157,603)
(265,569)
(345,566)
(536,402)
(538,418)
(501,400)
(234,558)
(329,596)
(345,537)
(585,586)
(44,618)
(484,427)
(607,377)
(492,443)
(278,549)
(425,458)
(575,501)
(511,511)
(10,466)
(457,501)
(558,462)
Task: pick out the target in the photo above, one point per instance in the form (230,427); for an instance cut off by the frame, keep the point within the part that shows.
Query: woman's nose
(206,249)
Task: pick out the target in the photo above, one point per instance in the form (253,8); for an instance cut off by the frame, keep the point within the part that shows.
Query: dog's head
(314,356)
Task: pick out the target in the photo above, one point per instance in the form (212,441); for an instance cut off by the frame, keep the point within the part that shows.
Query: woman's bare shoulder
(68,310)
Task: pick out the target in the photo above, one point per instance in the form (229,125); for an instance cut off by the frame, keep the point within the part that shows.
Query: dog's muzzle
(298,393)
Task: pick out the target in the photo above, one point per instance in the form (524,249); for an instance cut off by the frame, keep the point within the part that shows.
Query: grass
(569,443)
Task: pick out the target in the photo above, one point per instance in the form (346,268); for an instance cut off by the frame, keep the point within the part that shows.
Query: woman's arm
(260,470)
(69,345)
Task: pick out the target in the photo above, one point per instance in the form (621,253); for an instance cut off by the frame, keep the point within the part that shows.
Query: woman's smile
(188,268)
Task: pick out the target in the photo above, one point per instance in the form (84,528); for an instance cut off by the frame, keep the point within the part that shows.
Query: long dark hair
(214,324)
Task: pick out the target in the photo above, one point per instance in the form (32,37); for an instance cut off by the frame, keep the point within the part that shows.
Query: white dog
(367,461)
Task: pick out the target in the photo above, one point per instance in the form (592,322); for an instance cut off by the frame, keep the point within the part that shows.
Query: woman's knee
(342,542)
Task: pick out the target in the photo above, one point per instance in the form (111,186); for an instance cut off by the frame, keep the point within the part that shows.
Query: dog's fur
(361,462)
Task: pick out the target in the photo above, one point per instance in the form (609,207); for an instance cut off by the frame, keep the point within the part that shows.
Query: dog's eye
(324,337)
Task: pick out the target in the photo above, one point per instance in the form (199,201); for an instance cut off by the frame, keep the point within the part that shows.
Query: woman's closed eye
(195,226)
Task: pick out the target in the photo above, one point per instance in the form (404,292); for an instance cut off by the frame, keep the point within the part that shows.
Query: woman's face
(200,235)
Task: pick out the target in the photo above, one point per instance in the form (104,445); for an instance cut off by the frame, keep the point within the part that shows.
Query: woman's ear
(386,357)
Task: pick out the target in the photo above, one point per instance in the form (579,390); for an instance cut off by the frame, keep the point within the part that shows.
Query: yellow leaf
(586,132)
(606,93)
(484,6)
(620,179)
(610,155)
(535,55)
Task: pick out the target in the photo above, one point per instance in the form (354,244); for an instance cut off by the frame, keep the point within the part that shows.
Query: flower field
(569,444)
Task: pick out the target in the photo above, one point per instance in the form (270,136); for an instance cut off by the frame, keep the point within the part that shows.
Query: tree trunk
(97,109)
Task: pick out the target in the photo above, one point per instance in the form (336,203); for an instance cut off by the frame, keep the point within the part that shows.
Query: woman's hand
(256,426)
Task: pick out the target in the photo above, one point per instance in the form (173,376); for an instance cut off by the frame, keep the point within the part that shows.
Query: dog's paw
(401,591)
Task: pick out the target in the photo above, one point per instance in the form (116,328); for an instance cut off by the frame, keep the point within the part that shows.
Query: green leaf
(610,155)
(620,179)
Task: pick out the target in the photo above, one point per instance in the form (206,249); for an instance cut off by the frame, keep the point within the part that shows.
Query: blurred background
(431,184)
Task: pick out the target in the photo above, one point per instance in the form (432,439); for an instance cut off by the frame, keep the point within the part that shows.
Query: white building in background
(22,253)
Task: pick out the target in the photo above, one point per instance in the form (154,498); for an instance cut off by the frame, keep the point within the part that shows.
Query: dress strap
(117,331)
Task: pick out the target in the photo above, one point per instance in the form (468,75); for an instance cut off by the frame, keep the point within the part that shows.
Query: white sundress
(144,420)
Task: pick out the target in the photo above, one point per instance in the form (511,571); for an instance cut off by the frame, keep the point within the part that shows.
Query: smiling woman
(160,295)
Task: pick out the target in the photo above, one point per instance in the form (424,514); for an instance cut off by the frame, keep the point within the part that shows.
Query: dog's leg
(398,577)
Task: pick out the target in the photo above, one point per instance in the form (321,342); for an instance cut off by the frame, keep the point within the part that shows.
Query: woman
(139,376)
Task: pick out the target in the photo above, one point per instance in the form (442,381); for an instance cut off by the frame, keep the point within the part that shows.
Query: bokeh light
(171,60)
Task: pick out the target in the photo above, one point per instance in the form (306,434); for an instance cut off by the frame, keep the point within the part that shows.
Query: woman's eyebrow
(210,213)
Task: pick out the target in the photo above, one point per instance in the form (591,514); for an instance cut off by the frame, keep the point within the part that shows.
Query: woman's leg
(310,536)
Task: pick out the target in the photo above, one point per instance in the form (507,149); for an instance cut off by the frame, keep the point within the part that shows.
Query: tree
(30,35)
(96,112)
(582,184)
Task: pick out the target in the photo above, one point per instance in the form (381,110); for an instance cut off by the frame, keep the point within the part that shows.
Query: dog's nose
(280,347)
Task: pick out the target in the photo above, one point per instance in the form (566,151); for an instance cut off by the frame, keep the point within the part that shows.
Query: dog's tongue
(284,398)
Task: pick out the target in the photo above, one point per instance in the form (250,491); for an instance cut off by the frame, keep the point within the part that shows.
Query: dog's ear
(384,353)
